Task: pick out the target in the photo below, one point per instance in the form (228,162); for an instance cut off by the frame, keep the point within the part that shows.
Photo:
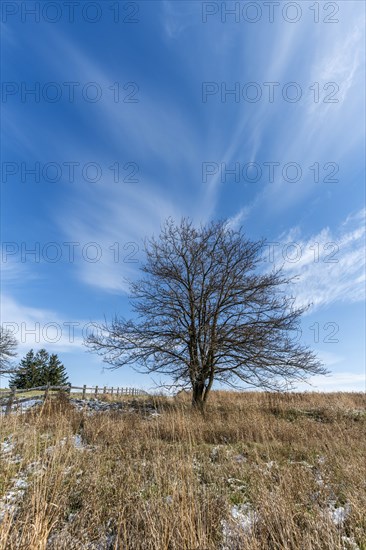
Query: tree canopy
(205,310)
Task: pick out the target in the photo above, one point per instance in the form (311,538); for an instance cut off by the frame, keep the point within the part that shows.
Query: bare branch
(8,345)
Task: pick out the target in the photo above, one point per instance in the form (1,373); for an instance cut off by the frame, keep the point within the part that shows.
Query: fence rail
(8,399)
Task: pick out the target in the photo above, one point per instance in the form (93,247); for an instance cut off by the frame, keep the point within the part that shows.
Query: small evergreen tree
(42,359)
(55,372)
(38,370)
(27,374)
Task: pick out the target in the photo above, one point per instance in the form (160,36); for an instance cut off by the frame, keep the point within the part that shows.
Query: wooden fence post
(10,401)
(96,392)
(112,390)
(84,391)
(105,389)
(117,391)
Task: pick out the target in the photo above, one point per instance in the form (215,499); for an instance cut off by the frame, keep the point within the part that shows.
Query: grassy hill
(259,471)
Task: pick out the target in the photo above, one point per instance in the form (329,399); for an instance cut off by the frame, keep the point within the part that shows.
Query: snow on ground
(243,517)
(7,446)
(349,543)
(21,407)
(64,538)
(75,440)
(9,501)
(242,521)
(338,514)
(91,406)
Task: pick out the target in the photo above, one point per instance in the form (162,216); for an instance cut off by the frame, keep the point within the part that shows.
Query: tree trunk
(198,397)
(209,385)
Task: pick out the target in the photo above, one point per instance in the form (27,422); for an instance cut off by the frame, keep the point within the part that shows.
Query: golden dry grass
(170,482)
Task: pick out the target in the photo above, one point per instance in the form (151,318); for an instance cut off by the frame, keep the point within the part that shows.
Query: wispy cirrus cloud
(117,221)
(331,78)
(35,327)
(329,266)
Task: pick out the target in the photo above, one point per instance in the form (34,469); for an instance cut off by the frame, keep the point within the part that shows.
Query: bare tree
(8,345)
(206,311)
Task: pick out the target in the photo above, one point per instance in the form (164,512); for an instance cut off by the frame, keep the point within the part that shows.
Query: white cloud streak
(37,328)
(330,265)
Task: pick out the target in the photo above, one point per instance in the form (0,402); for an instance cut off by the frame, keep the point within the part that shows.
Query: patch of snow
(9,501)
(21,407)
(339,514)
(242,521)
(76,441)
(349,543)
(20,483)
(14,459)
(29,404)
(68,540)
(7,449)
(78,444)
(93,406)
(7,446)
(244,515)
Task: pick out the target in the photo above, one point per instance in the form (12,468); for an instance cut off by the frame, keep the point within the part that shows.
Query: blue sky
(180,108)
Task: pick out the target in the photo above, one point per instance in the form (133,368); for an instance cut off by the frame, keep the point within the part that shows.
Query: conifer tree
(55,372)
(39,369)
(28,374)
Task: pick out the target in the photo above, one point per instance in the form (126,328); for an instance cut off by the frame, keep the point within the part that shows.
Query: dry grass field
(259,471)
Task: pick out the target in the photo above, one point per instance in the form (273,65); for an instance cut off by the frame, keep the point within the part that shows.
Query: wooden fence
(9,398)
